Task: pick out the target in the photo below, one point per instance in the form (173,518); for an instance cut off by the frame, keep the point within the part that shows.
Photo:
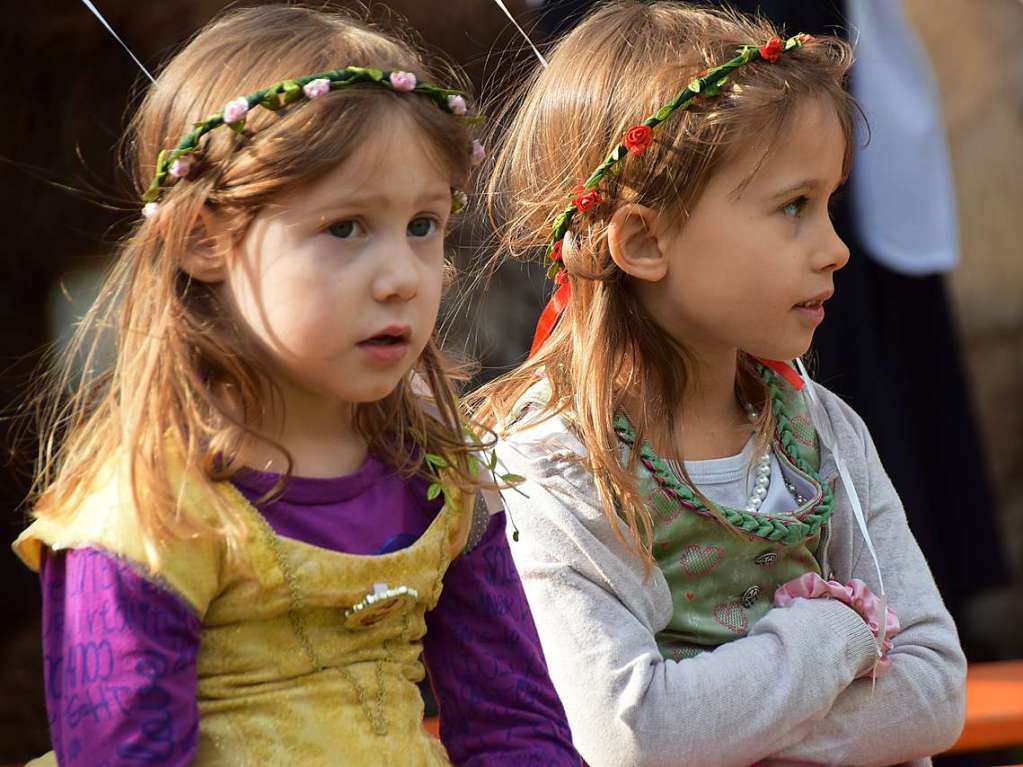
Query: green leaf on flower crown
(271,101)
(238,127)
(791,43)
(492,464)
(664,112)
(694,85)
(153,192)
(292,91)
(376,75)
(513,479)
(433,491)
(553,269)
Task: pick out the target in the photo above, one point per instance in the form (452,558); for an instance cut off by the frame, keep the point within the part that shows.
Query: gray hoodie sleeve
(917,708)
(597,614)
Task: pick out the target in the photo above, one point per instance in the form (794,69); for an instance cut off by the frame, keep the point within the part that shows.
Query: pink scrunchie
(857,595)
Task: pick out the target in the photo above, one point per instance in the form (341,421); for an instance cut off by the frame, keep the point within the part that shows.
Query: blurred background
(69,89)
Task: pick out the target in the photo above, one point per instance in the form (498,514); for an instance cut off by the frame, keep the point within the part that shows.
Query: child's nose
(833,253)
(397,278)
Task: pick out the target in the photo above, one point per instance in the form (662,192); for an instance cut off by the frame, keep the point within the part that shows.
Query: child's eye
(795,207)
(345,230)
(422,226)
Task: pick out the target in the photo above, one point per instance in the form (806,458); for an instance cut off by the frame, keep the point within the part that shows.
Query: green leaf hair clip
(177,163)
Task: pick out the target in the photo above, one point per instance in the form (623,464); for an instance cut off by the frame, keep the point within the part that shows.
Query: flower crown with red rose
(177,163)
(636,141)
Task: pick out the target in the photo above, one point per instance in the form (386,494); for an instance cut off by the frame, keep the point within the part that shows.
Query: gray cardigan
(786,692)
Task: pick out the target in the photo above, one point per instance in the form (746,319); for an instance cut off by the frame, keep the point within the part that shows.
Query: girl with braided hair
(718,566)
(253,521)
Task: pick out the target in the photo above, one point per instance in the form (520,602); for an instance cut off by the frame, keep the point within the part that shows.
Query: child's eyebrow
(807,184)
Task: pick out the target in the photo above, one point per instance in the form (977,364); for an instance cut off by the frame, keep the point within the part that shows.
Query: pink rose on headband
(804,38)
(235,110)
(584,200)
(457,105)
(772,49)
(316,88)
(403,81)
(181,166)
(149,209)
(638,138)
(479,153)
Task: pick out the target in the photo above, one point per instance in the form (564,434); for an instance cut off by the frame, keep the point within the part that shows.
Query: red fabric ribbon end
(551,312)
(785,370)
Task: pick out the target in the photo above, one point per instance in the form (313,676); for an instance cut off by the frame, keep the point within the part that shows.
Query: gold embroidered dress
(284,677)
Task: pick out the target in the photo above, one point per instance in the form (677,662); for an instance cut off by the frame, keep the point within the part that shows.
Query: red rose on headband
(772,49)
(638,138)
(556,251)
(584,200)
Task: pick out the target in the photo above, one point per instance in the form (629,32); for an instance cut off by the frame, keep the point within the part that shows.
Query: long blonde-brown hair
(619,65)
(159,402)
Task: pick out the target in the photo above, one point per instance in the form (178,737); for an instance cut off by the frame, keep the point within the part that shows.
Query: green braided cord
(707,84)
(279,95)
(787,531)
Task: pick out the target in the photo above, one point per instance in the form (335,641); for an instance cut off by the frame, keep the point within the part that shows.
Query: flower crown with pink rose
(636,141)
(177,163)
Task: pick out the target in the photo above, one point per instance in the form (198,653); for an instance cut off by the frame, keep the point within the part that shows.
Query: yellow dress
(286,675)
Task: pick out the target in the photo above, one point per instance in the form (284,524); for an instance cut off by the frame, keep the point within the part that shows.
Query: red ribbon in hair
(555,306)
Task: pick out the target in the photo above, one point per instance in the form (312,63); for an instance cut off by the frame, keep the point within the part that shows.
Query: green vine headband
(177,163)
(636,141)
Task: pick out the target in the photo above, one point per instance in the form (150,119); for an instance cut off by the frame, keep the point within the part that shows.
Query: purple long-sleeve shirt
(120,650)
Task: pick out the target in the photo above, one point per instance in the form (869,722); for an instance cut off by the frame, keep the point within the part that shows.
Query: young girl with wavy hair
(253,520)
(700,523)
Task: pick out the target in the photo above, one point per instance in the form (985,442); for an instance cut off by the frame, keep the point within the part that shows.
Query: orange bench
(994,707)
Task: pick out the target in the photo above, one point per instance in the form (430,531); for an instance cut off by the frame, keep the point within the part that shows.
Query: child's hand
(858,596)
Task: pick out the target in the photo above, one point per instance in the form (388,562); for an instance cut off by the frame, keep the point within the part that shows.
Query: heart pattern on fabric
(732,617)
(700,560)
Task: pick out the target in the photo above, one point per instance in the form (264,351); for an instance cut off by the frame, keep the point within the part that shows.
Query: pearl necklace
(762,483)
(762,477)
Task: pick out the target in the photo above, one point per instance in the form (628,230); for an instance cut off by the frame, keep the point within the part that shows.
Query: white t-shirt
(729,481)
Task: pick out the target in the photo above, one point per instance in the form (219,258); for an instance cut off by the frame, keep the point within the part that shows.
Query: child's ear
(633,243)
(205,257)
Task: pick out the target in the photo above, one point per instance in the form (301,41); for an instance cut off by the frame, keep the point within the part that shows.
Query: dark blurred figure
(889,345)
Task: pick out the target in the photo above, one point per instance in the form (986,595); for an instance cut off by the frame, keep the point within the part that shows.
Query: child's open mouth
(389,345)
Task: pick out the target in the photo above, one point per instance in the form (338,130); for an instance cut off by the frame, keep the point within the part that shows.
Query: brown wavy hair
(159,401)
(619,65)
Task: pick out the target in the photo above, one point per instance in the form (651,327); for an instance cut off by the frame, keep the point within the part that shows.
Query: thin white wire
(503,7)
(110,29)
(822,424)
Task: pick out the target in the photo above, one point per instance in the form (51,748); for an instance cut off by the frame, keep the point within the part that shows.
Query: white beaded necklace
(762,474)
(762,483)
